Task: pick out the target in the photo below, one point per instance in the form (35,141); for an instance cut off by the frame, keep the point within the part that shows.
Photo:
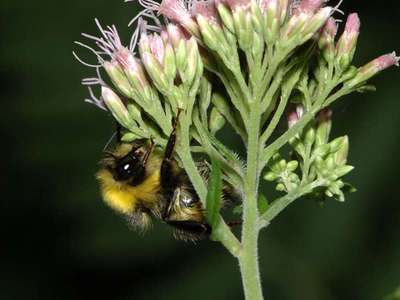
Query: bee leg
(191,227)
(148,152)
(167,178)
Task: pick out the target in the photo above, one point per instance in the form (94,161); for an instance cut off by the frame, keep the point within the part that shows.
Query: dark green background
(59,241)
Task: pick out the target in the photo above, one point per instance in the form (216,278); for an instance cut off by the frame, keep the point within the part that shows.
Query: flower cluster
(270,52)
(320,159)
(240,64)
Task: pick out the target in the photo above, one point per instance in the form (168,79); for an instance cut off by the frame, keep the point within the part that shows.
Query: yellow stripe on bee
(123,197)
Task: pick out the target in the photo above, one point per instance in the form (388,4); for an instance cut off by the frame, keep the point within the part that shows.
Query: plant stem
(281,203)
(248,259)
(222,232)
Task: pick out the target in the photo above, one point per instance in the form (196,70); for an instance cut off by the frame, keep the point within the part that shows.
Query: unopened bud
(316,22)
(327,40)
(175,34)
(270,8)
(294,114)
(347,43)
(169,63)
(116,107)
(336,144)
(217,121)
(270,176)
(374,67)
(309,135)
(226,16)
(117,76)
(324,125)
(155,71)
(343,151)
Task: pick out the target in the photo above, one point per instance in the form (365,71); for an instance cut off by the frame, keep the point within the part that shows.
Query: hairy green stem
(281,203)
(222,232)
(248,259)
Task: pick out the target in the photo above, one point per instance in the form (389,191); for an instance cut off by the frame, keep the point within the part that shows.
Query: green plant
(244,64)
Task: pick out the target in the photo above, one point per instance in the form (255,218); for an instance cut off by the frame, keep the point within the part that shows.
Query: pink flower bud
(381,63)
(330,28)
(347,43)
(294,114)
(175,34)
(154,45)
(327,39)
(374,67)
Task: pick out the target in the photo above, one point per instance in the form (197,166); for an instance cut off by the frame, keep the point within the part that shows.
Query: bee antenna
(109,142)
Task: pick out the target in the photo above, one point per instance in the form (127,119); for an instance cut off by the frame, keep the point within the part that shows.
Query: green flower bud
(270,176)
(309,135)
(194,64)
(294,178)
(322,150)
(336,144)
(243,28)
(298,146)
(343,151)
(116,107)
(207,33)
(292,165)
(169,63)
(226,16)
(330,163)
(341,171)
(118,77)
(280,187)
(282,165)
(217,121)
(155,71)
(181,56)
(324,124)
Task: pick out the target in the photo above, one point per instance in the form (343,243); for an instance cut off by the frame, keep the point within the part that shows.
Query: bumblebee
(140,182)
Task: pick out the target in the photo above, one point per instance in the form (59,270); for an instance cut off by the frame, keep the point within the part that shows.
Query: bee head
(127,163)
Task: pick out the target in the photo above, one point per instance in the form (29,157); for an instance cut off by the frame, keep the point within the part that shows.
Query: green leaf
(262,204)
(214,194)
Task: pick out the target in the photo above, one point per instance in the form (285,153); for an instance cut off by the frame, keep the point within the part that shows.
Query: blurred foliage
(61,242)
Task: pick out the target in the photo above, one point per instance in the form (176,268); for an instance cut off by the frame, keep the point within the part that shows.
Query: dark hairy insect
(141,181)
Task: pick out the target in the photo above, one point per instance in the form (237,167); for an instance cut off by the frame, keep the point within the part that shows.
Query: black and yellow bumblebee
(141,181)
